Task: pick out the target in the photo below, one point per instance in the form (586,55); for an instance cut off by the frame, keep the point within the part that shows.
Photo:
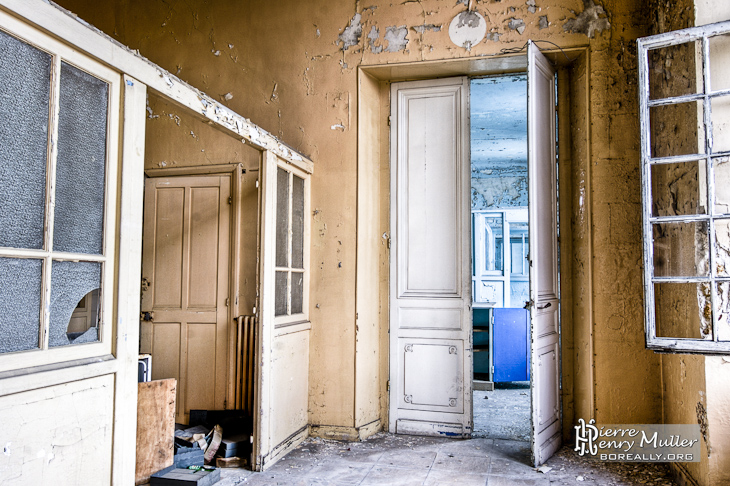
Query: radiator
(245,363)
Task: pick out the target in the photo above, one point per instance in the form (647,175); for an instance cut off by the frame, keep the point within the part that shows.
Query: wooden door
(430,273)
(544,293)
(185,279)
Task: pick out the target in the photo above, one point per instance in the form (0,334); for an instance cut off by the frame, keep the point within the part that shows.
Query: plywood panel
(60,435)
(155,427)
(204,215)
(201,376)
(168,245)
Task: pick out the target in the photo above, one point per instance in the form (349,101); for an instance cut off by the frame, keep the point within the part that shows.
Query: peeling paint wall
(291,67)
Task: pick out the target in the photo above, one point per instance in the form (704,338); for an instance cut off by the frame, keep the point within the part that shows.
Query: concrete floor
(503,413)
(400,460)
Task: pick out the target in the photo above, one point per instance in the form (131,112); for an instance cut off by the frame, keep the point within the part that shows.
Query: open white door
(282,333)
(430,277)
(544,292)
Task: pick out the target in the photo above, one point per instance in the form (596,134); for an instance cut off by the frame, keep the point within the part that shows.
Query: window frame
(289,318)
(704,95)
(60,52)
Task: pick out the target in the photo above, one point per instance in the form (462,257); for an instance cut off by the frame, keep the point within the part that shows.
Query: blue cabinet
(503,333)
(510,345)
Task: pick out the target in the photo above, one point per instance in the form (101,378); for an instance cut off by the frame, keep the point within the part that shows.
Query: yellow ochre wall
(291,66)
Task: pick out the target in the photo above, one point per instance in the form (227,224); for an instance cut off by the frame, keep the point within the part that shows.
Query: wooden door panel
(544,295)
(430,349)
(430,228)
(167,246)
(204,221)
(186,265)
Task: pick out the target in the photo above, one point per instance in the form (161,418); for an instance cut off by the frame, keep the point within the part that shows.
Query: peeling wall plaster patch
(373,36)
(467,29)
(494,36)
(531,7)
(228,96)
(543,24)
(352,33)
(590,21)
(423,28)
(517,24)
(339,126)
(397,38)
(704,425)
(215,52)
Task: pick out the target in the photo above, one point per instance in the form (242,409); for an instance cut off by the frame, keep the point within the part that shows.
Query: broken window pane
(680,249)
(672,70)
(20,304)
(683,310)
(80,171)
(297,292)
(297,227)
(677,129)
(70,283)
(720,124)
(722,247)
(678,189)
(25,80)
(281,294)
(282,218)
(719,59)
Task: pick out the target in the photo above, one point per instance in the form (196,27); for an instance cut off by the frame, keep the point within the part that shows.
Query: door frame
(235,171)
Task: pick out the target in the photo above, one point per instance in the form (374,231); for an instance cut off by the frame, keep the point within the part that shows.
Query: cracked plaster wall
(61,435)
(290,67)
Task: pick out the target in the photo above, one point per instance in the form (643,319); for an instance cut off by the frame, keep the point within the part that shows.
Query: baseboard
(339,432)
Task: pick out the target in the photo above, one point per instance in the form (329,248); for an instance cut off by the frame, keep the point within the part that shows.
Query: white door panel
(431,351)
(545,337)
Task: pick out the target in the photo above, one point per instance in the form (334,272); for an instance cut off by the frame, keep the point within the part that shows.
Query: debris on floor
(194,476)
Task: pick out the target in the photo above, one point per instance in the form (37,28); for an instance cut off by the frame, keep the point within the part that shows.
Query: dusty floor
(387,459)
(503,413)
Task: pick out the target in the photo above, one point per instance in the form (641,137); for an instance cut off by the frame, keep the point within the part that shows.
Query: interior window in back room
(500,276)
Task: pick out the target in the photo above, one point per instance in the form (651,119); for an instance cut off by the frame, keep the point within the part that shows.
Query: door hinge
(387,385)
(227,301)
(529,304)
(147,316)
(492,369)
(389,118)
(230,199)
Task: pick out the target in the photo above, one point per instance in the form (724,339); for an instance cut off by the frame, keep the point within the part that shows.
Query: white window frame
(289,318)
(44,355)
(705,95)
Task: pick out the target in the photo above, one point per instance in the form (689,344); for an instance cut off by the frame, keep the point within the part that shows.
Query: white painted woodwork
(186,265)
(61,435)
(282,343)
(430,318)
(63,24)
(544,292)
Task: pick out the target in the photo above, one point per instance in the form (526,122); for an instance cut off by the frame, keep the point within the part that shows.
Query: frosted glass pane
(282,217)
(281,293)
(297,227)
(20,304)
(80,172)
(25,80)
(297,292)
(70,283)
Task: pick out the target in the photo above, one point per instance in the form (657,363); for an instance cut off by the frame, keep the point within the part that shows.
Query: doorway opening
(500,264)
